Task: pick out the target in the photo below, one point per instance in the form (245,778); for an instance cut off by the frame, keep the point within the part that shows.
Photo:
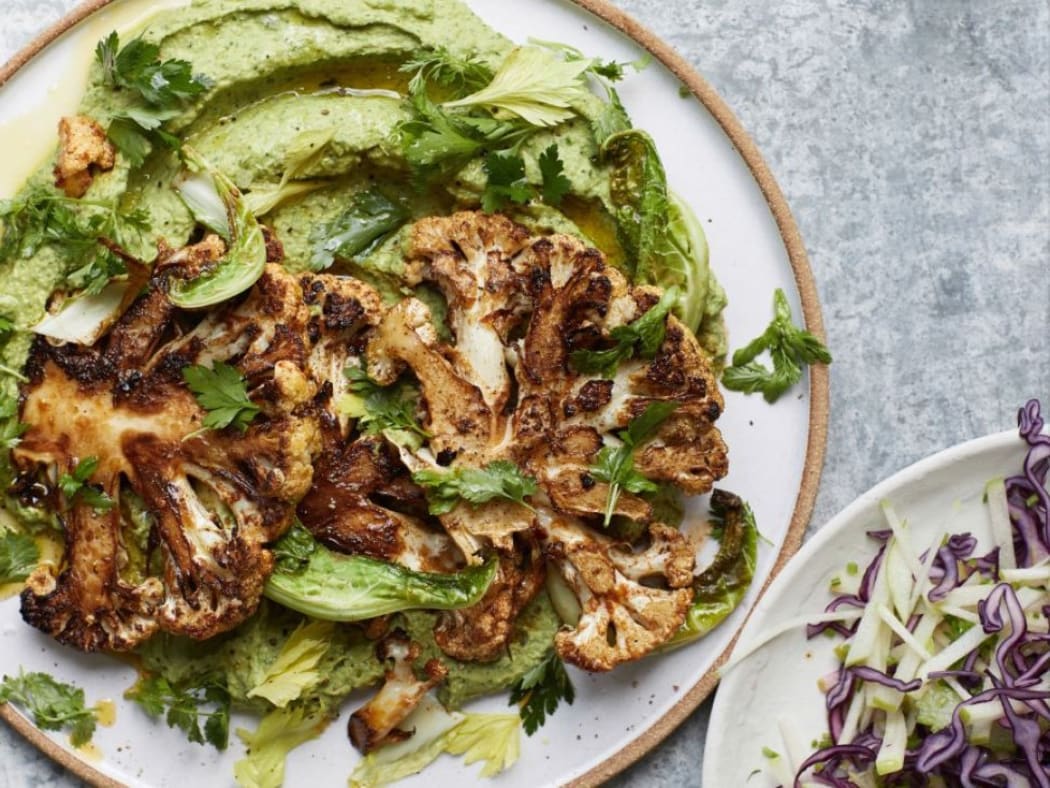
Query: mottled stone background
(912,139)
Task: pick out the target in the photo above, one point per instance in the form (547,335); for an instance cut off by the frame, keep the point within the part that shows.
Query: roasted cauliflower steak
(182,547)
(505,388)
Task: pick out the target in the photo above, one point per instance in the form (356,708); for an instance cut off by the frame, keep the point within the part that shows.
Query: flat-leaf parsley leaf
(540,690)
(18,556)
(76,486)
(499,479)
(552,169)
(52,704)
(615,464)
(383,410)
(506,182)
(162,87)
(222,392)
(644,336)
(137,66)
(186,705)
(789,348)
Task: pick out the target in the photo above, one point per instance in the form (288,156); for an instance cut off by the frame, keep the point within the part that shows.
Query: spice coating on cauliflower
(182,548)
(506,389)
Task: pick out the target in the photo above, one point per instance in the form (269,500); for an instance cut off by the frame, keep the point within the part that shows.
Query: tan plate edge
(55,751)
(818,379)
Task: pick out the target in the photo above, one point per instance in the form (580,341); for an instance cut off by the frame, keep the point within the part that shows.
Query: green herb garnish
(644,336)
(540,690)
(610,70)
(506,182)
(52,704)
(43,216)
(552,169)
(223,393)
(92,277)
(18,556)
(615,464)
(137,66)
(76,487)
(499,479)
(436,139)
(162,86)
(441,67)
(384,410)
(185,706)
(532,84)
(789,347)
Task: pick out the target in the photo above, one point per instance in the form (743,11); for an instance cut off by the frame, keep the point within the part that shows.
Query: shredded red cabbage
(1021,658)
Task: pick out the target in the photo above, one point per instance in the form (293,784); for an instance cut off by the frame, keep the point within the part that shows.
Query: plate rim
(910,474)
(819,394)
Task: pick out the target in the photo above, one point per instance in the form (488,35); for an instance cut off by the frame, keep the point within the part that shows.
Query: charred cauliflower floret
(578,305)
(181,546)
(471,260)
(457,417)
(343,310)
(363,501)
(480,633)
(83,150)
(620,618)
(375,724)
(351,508)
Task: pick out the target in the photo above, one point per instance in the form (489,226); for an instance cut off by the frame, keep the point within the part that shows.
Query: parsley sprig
(499,479)
(644,336)
(552,170)
(18,556)
(78,227)
(162,87)
(52,704)
(540,690)
(789,348)
(615,464)
(137,66)
(384,410)
(507,182)
(223,394)
(436,139)
(185,705)
(460,75)
(77,487)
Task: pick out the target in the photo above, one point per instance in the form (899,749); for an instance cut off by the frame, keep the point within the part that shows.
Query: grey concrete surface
(912,139)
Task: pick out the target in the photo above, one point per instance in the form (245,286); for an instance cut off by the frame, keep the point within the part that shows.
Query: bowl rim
(846,518)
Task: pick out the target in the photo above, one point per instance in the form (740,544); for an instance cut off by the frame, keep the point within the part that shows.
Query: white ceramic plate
(776,452)
(779,681)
